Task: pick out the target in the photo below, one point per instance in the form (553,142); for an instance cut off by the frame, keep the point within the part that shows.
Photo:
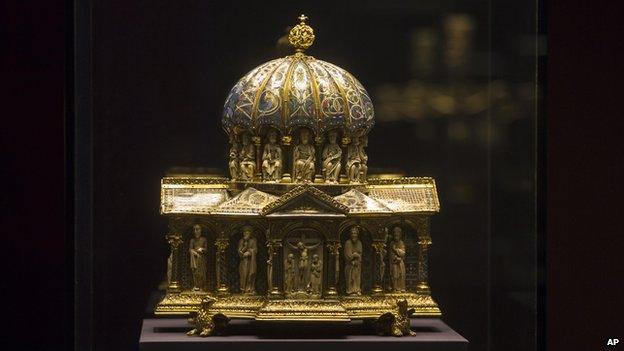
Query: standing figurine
(234,163)
(332,154)
(303,158)
(289,273)
(272,159)
(315,274)
(353,263)
(198,246)
(304,267)
(397,261)
(247,159)
(363,159)
(353,161)
(247,250)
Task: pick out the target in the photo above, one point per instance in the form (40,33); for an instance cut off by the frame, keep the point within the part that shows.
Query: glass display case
(453,88)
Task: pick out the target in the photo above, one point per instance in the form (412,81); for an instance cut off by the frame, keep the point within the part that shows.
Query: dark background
(582,179)
(453,83)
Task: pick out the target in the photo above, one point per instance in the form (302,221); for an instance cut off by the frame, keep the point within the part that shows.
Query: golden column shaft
(174,241)
(344,175)
(257,141)
(273,264)
(380,265)
(287,164)
(221,244)
(423,264)
(334,250)
(318,177)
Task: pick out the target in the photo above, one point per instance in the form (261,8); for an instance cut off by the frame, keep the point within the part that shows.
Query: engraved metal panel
(250,202)
(414,198)
(187,199)
(357,202)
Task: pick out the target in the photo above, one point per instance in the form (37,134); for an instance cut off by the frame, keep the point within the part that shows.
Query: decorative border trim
(194,180)
(401,181)
(300,190)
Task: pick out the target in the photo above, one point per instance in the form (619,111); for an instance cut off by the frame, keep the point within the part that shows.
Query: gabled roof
(250,201)
(191,200)
(305,199)
(359,203)
(407,198)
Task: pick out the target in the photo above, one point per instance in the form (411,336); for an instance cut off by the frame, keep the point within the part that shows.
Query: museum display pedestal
(160,334)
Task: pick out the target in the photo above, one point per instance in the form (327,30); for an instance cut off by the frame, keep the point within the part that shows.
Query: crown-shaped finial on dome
(301,36)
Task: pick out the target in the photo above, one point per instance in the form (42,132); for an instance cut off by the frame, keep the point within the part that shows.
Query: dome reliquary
(299,231)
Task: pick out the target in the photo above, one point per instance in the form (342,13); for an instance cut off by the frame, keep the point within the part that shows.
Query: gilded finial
(301,36)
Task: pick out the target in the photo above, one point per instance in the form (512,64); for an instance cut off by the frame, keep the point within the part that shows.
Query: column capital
(273,243)
(222,244)
(174,240)
(424,240)
(379,246)
(319,140)
(334,247)
(286,140)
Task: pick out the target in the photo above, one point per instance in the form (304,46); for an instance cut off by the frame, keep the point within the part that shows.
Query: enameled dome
(298,91)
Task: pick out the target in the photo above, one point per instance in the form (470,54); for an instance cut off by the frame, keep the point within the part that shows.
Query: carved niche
(303,264)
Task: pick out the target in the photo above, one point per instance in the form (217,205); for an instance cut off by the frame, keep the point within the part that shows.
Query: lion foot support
(206,323)
(396,322)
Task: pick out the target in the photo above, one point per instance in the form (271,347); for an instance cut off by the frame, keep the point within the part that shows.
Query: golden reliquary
(300,232)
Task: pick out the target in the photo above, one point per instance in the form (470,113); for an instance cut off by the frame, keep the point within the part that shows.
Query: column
(174,241)
(423,264)
(273,265)
(344,177)
(318,175)
(333,247)
(221,244)
(257,143)
(287,159)
(380,266)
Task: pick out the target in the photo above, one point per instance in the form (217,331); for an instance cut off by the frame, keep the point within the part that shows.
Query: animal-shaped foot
(396,322)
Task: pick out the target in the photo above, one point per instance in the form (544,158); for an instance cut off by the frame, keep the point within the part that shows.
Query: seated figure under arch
(272,159)
(304,158)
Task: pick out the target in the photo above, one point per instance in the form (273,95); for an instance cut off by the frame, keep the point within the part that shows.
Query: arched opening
(350,265)
(236,249)
(304,264)
(409,236)
(203,261)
